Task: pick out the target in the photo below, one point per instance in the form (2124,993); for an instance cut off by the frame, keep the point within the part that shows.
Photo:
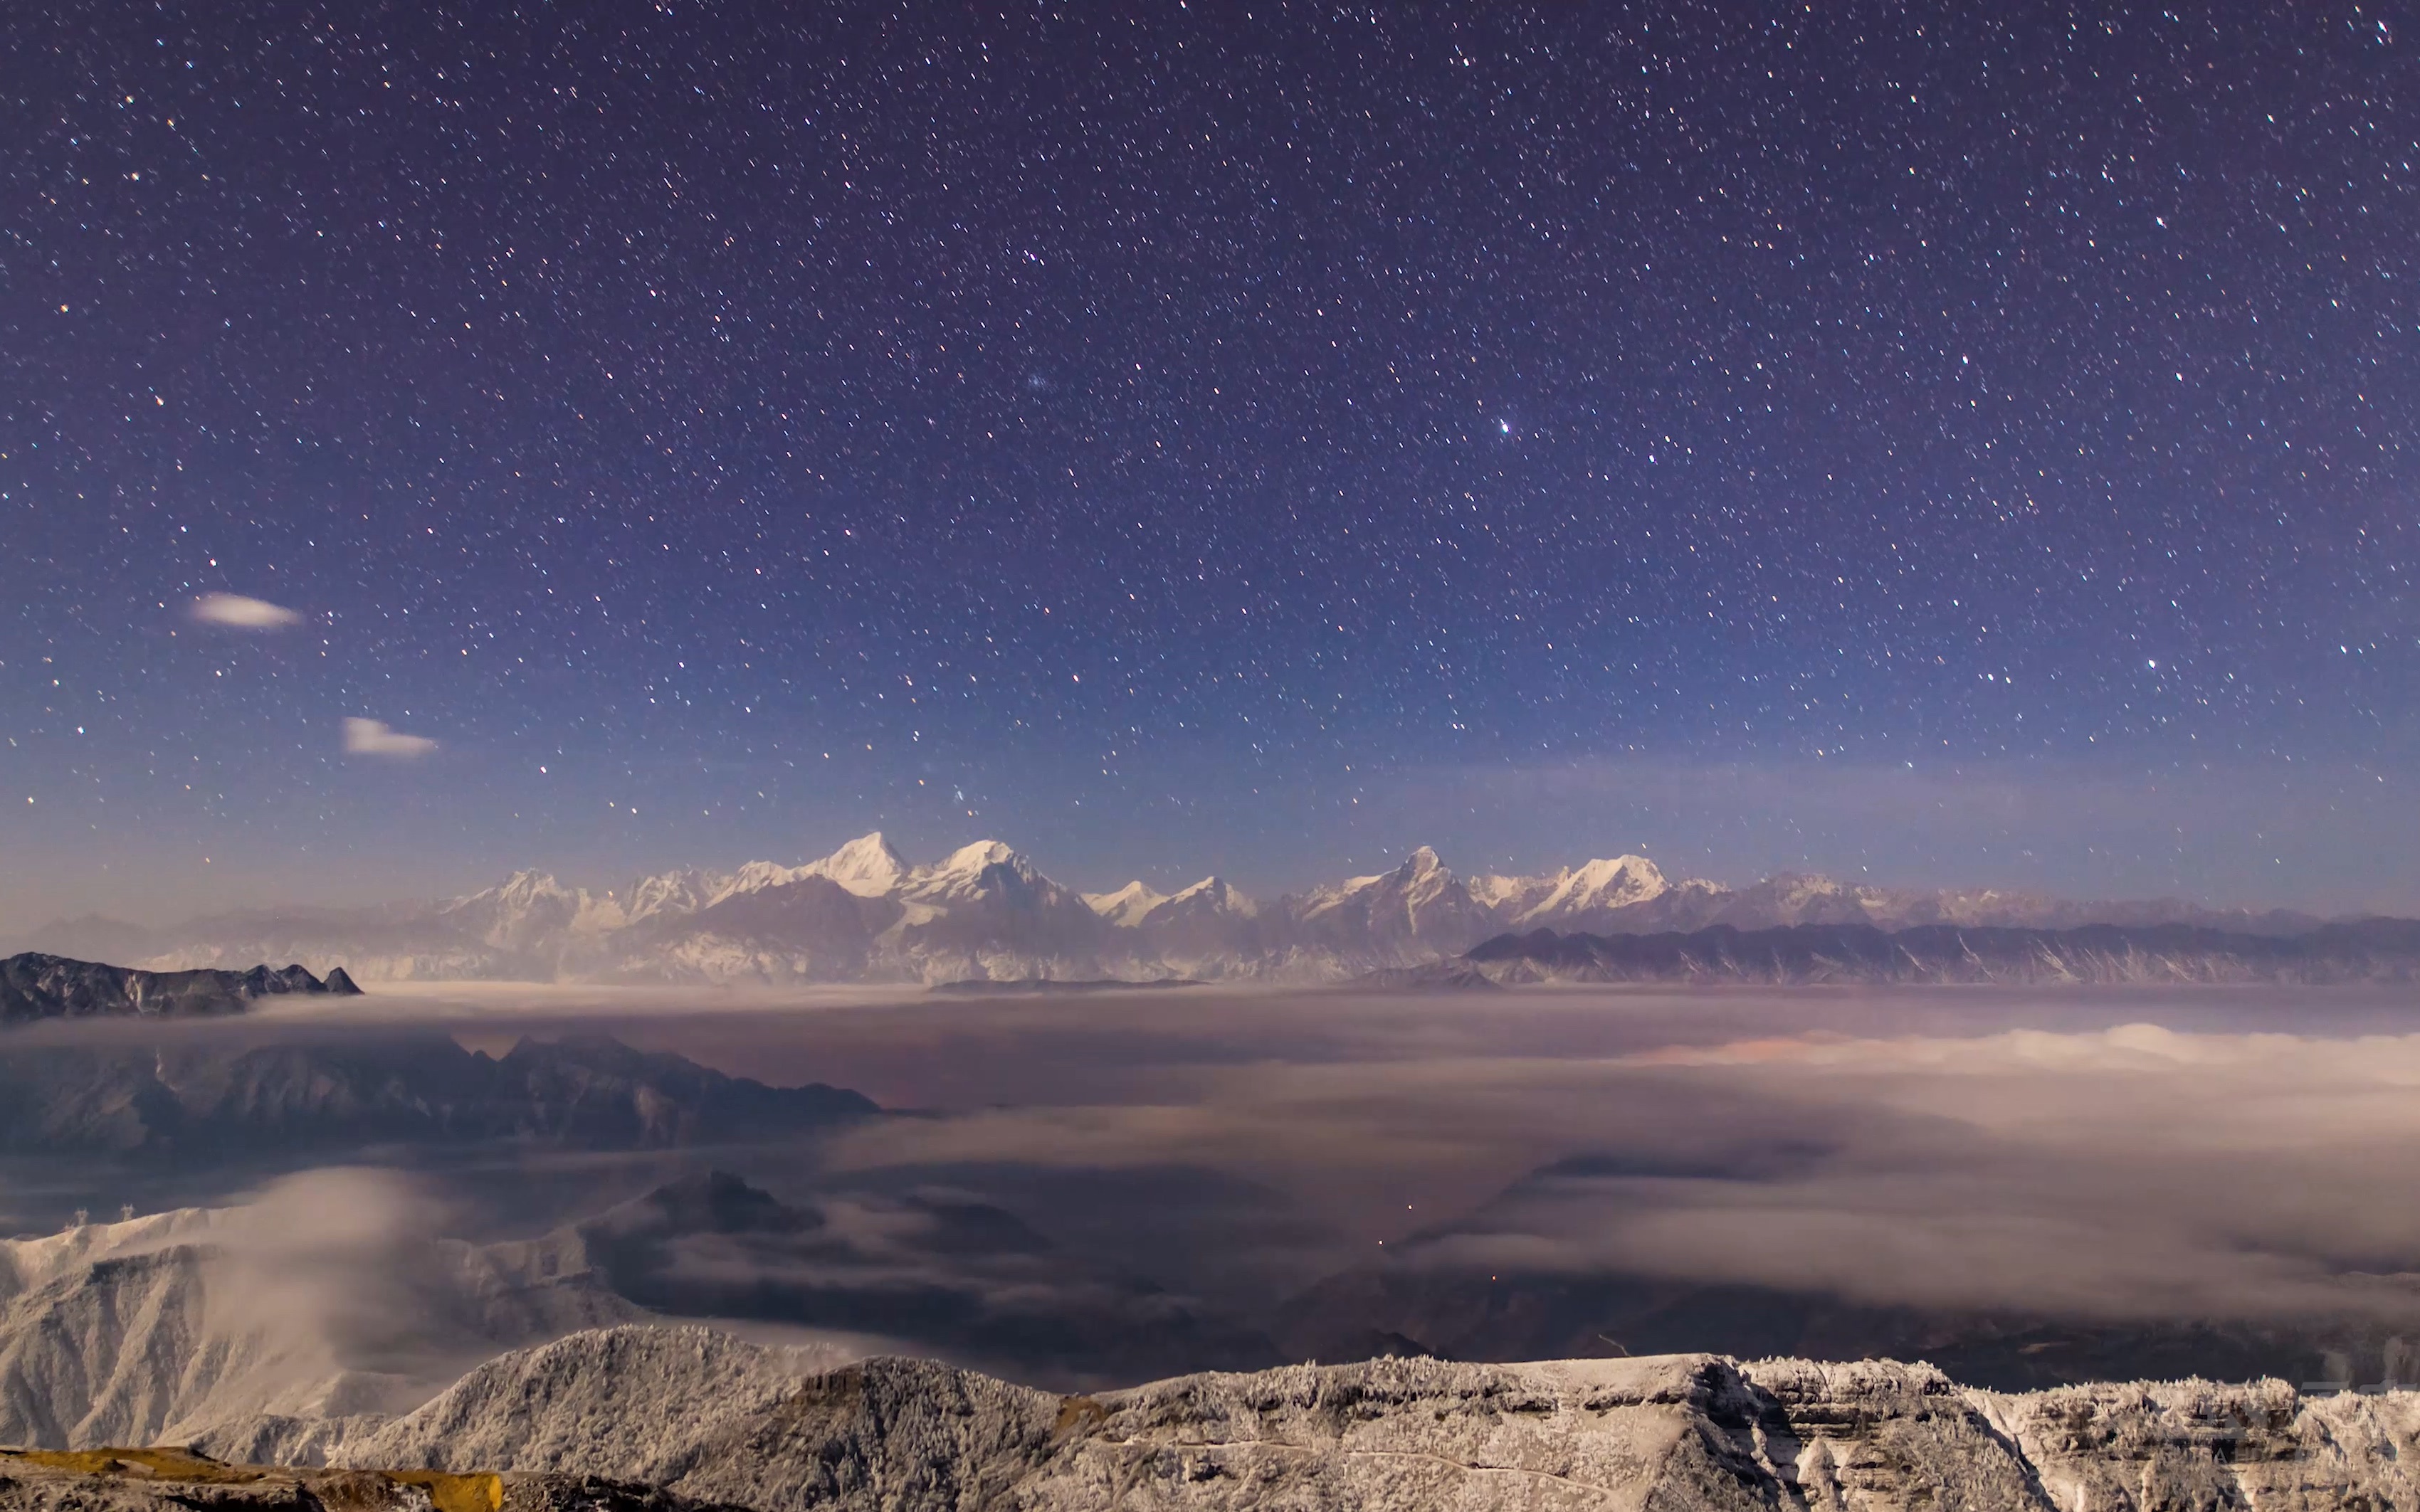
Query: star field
(1190,434)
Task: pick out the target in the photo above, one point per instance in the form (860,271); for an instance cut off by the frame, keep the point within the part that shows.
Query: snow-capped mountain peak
(868,866)
(1127,906)
(1615,883)
(1213,895)
(972,861)
(971,872)
(1422,877)
(1398,913)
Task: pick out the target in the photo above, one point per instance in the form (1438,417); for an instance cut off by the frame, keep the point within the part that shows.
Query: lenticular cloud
(236,610)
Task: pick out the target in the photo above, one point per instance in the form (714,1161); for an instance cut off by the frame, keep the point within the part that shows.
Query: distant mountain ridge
(2368,951)
(319,1095)
(37,986)
(865,913)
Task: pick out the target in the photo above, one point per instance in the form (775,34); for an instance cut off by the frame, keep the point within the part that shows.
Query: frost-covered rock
(707,1417)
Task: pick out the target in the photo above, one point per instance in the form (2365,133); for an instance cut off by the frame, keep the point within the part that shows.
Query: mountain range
(671,1419)
(320,1096)
(865,913)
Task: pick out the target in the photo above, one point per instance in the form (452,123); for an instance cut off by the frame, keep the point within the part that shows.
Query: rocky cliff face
(35,986)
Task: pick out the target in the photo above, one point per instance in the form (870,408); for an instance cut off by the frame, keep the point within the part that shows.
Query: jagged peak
(683,890)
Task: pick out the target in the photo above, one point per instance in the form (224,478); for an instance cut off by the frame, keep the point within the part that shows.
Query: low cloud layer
(238,613)
(2130,1171)
(376,738)
(2092,1155)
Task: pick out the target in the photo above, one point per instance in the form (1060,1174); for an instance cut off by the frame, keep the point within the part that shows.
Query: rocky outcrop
(2196,1444)
(34,986)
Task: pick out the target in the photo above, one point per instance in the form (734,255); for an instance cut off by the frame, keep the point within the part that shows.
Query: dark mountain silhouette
(35,986)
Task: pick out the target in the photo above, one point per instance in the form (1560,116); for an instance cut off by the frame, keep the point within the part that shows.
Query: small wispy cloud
(241,613)
(376,738)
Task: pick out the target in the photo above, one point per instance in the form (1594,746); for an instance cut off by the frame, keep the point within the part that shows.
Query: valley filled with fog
(1091,1189)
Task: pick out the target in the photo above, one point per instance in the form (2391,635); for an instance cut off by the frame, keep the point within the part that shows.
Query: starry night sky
(1947,443)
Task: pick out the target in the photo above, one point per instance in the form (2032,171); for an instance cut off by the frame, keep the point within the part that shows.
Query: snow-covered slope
(709,1417)
(1623,882)
(169,1326)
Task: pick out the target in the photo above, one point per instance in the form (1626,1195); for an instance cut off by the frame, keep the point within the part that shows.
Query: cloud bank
(2125,1172)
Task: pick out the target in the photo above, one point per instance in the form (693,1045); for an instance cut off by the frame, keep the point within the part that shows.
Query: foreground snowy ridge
(866,913)
(707,1417)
